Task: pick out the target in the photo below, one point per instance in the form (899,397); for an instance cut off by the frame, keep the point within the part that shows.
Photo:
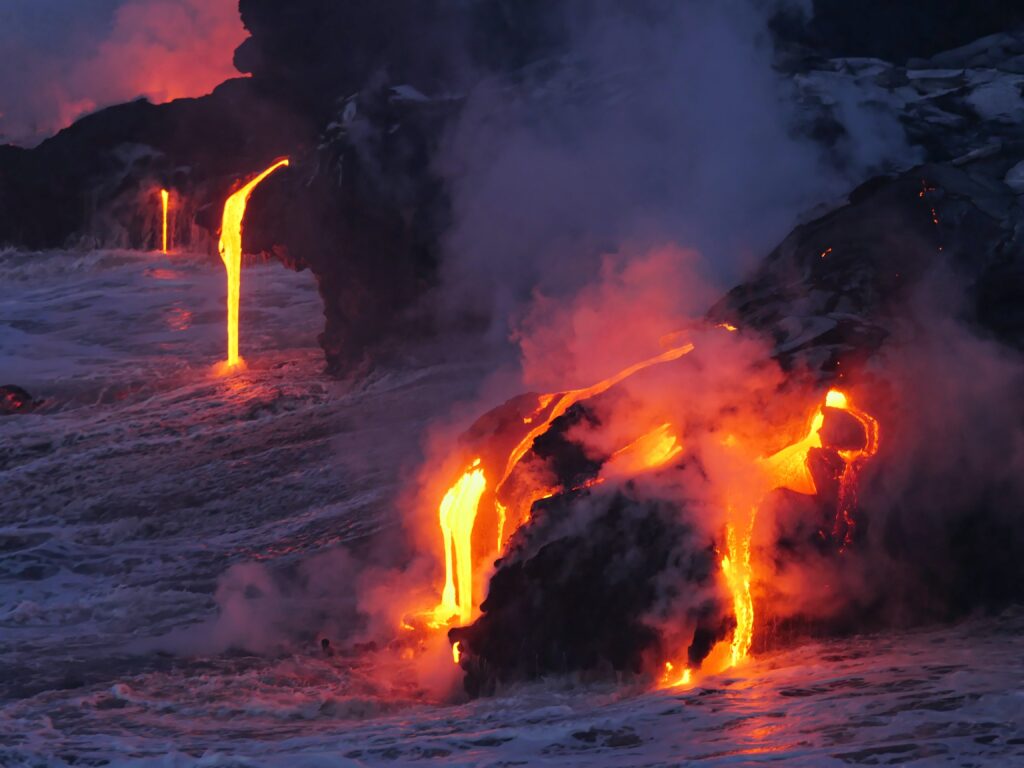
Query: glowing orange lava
(786,469)
(459,507)
(231,254)
(650,451)
(852,462)
(736,567)
(672,679)
(165,198)
(457,514)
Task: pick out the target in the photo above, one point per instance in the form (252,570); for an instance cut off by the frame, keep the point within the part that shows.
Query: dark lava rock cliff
(362,94)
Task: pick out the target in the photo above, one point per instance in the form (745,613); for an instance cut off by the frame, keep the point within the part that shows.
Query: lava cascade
(231,254)
(164,206)
(786,468)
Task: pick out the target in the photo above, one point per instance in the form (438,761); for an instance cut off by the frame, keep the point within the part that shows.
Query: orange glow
(736,567)
(786,469)
(457,515)
(672,679)
(460,505)
(160,49)
(231,254)
(456,651)
(164,204)
(568,399)
(650,451)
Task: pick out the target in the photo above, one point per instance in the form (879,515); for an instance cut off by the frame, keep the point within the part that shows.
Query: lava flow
(164,204)
(458,512)
(460,505)
(752,477)
(231,254)
(785,469)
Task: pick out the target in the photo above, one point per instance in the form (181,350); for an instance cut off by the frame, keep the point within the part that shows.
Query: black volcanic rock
(829,291)
(14,400)
(88,184)
(896,30)
(582,587)
(311,52)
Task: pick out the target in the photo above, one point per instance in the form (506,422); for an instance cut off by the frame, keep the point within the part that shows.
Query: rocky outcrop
(829,291)
(89,184)
(580,588)
(14,400)
(342,89)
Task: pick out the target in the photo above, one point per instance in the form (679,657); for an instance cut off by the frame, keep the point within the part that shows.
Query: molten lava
(650,451)
(458,513)
(788,469)
(165,197)
(672,679)
(231,254)
(736,567)
(852,462)
(459,507)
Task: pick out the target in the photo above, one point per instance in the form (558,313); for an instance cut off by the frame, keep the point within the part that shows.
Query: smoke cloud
(65,59)
(663,122)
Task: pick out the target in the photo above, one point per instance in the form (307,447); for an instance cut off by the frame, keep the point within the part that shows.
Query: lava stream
(458,512)
(164,204)
(231,254)
(459,508)
(788,469)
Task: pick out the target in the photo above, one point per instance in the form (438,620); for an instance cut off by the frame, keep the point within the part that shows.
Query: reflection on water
(178,318)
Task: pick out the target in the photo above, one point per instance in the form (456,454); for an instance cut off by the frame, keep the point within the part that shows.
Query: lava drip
(788,469)
(231,254)
(165,197)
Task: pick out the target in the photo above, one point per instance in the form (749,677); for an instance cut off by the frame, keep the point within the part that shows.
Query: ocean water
(145,480)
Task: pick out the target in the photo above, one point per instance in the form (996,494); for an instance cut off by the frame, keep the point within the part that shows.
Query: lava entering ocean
(495,493)
(164,205)
(231,253)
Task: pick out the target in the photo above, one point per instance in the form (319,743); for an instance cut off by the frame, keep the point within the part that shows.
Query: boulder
(14,400)
(581,589)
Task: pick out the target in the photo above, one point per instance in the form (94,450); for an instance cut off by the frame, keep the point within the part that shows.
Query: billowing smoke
(660,122)
(65,58)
